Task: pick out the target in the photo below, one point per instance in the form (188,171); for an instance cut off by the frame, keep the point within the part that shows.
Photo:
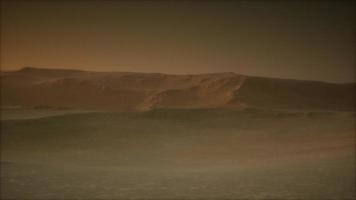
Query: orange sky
(297,39)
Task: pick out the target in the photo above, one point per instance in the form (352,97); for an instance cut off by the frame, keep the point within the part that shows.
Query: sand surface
(180,154)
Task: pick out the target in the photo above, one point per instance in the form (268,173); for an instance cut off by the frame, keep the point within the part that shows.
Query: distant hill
(126,91)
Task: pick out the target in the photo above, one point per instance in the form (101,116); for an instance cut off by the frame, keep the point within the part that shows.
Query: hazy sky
(294,39)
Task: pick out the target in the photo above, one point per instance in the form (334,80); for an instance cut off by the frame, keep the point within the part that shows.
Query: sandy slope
(180,154)
(205,136)
(32,87)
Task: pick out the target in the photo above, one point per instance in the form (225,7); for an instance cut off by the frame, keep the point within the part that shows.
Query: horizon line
(163,73)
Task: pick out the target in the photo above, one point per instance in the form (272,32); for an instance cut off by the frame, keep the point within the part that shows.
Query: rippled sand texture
(180,154)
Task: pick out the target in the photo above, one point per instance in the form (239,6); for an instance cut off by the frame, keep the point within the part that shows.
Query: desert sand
(68,134)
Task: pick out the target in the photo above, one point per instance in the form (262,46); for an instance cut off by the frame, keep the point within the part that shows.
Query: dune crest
(128,91)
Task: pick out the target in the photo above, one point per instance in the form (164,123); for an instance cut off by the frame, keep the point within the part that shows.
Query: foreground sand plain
(180,154)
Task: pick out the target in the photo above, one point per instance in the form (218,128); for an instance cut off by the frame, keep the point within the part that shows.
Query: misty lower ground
(178,154)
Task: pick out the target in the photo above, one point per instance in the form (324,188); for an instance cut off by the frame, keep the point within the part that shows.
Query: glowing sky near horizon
(297,39)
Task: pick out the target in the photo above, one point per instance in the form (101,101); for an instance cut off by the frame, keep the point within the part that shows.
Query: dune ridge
(131,91)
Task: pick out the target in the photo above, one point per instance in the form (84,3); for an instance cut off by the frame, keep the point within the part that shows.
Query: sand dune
(180,154)
(123,91)
(66,135)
